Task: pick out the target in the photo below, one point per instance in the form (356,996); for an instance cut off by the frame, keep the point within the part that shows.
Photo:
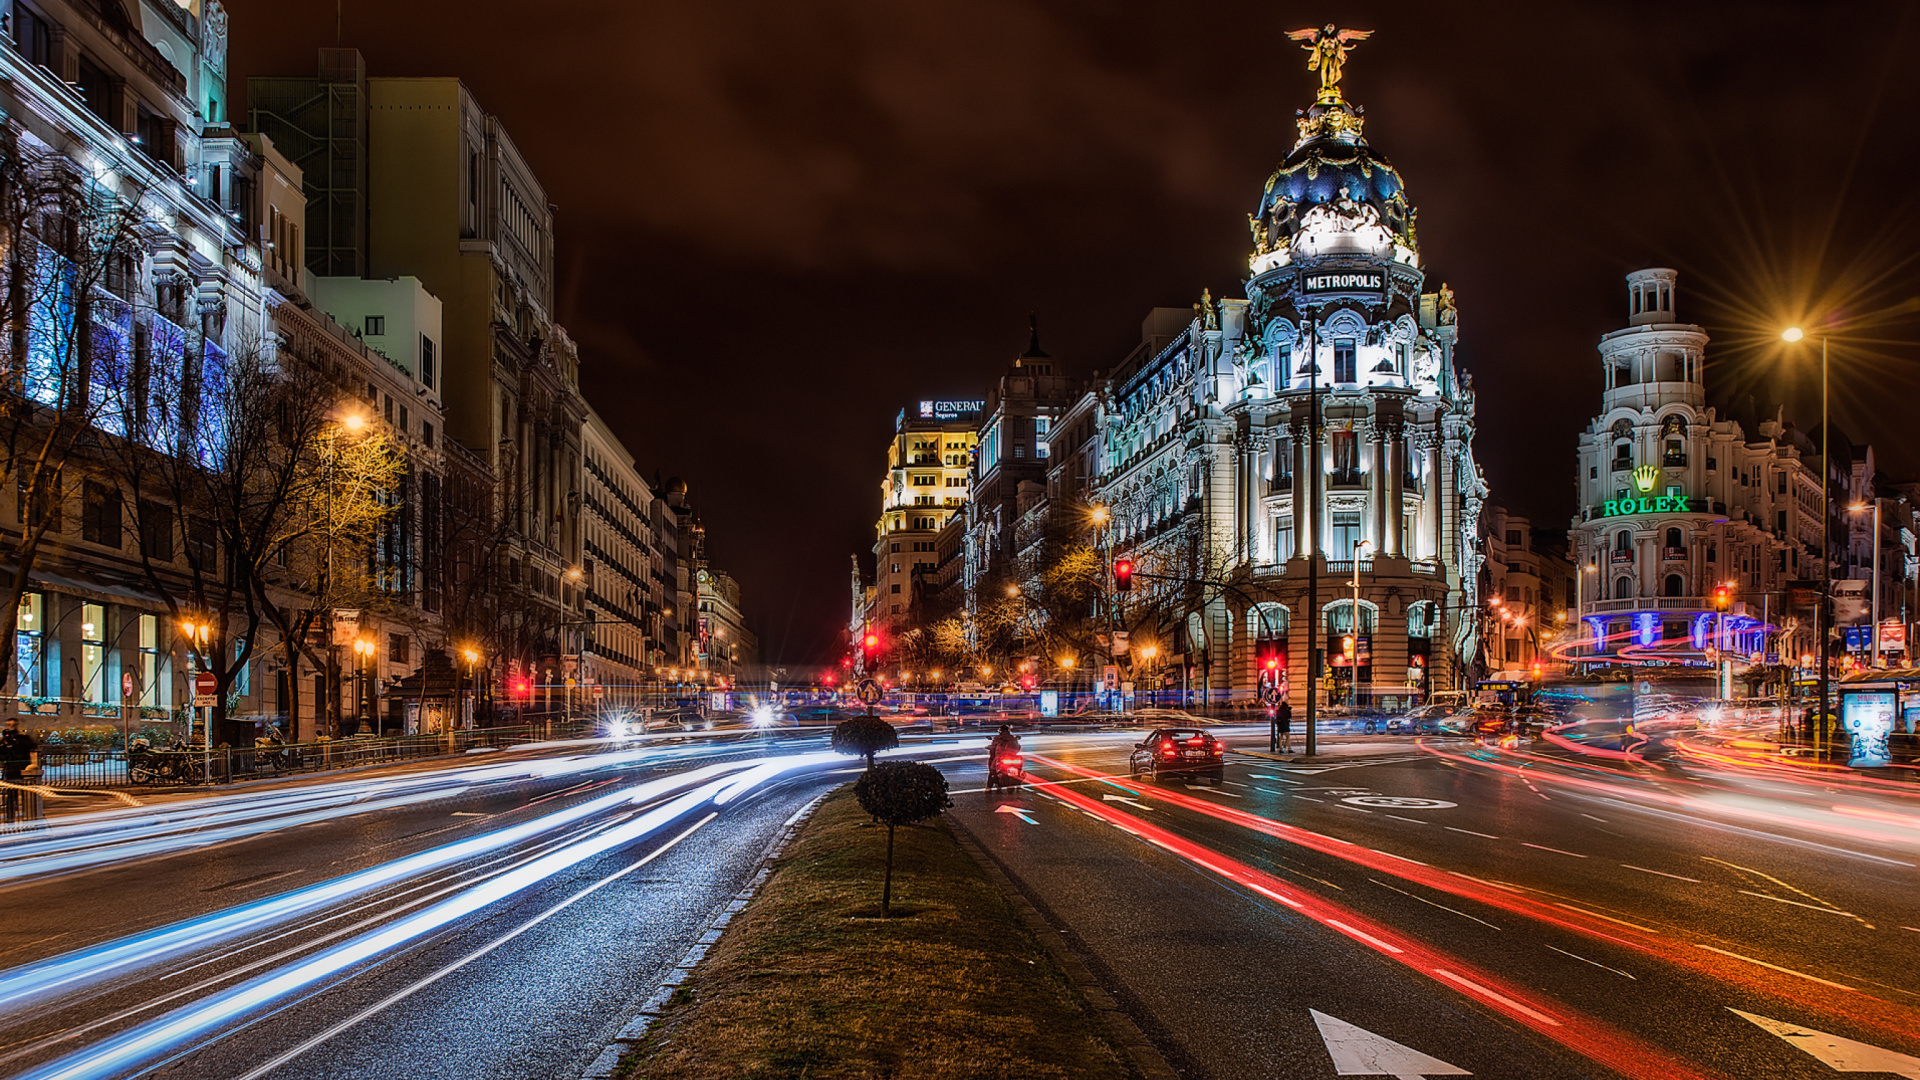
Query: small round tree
(900,793)
(864,736)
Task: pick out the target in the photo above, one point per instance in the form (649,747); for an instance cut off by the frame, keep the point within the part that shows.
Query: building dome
(1334,194)
(676,486)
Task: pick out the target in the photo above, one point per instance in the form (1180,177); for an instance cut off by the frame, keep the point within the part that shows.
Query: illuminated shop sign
(950,410)
(1658,504)
(1343,281)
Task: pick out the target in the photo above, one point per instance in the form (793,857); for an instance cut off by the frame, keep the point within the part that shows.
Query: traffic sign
(206,683)
(1271,694)
(870,692)
(599,691)
(126,684)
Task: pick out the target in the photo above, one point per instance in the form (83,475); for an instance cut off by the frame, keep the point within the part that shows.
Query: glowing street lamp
(1823,622)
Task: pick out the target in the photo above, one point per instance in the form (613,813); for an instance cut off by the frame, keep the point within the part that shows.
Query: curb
(1147,1059)
(655,1005)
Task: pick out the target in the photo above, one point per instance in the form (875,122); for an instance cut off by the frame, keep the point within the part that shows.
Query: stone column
(1431,496)
(1304,512)
(1396,510)
(1376,487)
(1648,566)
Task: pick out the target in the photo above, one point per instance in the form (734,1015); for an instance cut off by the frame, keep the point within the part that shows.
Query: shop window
(30,665)
(93,653)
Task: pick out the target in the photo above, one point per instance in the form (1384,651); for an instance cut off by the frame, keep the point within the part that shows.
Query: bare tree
(69,252)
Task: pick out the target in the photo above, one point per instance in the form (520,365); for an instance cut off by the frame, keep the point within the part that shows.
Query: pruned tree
(900,793)
(70,249)
(864,736)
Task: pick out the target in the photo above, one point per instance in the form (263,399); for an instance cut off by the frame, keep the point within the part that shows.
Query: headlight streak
(1859,1007)
(141,1045)
(1597,1042)
(31,983)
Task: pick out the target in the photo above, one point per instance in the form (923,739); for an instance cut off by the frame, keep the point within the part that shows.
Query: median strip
(810,980)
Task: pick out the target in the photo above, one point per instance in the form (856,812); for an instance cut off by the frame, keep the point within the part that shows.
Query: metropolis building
(1255,449)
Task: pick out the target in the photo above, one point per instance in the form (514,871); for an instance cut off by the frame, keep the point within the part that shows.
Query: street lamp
(1875,609)
(363,650)
(1823,619)
(464,714)
(1353,672)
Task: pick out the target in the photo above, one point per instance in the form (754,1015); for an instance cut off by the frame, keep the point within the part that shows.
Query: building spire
(1034,351)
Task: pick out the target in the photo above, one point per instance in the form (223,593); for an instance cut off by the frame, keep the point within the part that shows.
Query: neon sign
(1659,504)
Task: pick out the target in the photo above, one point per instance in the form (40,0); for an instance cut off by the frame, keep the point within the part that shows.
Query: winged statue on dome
(1327,51)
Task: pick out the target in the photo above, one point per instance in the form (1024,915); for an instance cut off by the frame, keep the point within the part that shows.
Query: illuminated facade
(623,569)
(929,466)
(1676,499)
(1215,469)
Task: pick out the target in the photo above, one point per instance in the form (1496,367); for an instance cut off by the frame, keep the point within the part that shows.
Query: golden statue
(1327,51)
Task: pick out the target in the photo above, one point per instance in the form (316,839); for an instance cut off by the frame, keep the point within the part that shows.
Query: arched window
(1267,622)
(1622,444)
(1623,542)
(1423,619)
(1676,586)
(1339,616)
(1674,542)
(1623,588)
(1674,425)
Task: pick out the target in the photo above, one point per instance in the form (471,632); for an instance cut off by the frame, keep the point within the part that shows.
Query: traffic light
(522,687)
(1722,598)
(1123,575)
(1273,663)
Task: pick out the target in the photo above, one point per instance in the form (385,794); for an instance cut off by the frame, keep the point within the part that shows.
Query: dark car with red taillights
(1188,751)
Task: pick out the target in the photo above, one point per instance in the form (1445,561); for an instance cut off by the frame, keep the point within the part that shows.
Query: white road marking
(1662,873)
(469,813)
(1309,798)
(1555,850)
(1402,802)
(1266,776)
(1211,791)
(1601,820)
(1271,790)
(1136,803)
(1837,1053)
(1364,936)
(1021,811)
(1502,998)
(1595,963)
(1470,832)
(1777,967)
(1609,918)
(1796,903)
(1358,1052)
(1415,820)
(1358,810)
(1424,900)
(1234,783)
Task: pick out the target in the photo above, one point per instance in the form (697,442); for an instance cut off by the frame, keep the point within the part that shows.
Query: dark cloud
(780,223)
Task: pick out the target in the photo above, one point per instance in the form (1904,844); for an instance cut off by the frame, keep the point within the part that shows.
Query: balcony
(1620,557)
(1674,554)
(1647,603)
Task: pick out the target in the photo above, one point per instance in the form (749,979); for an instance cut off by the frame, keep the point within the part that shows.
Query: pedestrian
(18,754)
(1286,727)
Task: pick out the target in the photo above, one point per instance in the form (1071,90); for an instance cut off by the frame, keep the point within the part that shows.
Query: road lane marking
(1415,820)
(1267,776)
(1234,783)
(1400,802)
(1442,907)
(1777,967)
(1211,791)
(1796,903)
(1364,936)
(1358,1052)
(1825,905)
(1838,1053)
(1595,963)
(1601,820)
(469,813)
(1662,873)
(1555,850)
(1135,803)
(1470,832)
(1503,999)
(1020,811)
(1271,790)
(1609,918)
(1309,798)
(1356,809)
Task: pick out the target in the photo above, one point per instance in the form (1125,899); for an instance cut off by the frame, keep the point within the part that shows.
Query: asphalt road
(499,918)
(1508,913)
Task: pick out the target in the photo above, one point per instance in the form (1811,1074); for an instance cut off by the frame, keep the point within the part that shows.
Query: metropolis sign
(1660,504)
(1343,281)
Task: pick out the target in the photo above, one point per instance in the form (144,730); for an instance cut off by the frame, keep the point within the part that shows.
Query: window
(427,373)
(426,434)
(1674,543)
(1676,586)
(1346,458)
(895,588)
(96,87)
(1623,588)
(406,422)
(1593,472)
(1782,477)
(149,690)
(1343,361)
(39,504)
(399,648)
(156,531)
(376,326)
(1513,538)
(100,515)
(33,36)
(1283,539)
(31,622)
(1676,453)
(1780,522)
(1346,533)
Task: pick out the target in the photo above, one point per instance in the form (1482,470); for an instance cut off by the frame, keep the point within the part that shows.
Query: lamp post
(1875,540)
(1353,672)
(464,707)
(1823,618)
(363,650)
(197,634)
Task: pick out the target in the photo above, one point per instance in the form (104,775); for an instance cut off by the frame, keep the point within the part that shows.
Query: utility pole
(1313,538)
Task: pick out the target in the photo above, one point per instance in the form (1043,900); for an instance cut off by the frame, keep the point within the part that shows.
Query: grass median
(810,982)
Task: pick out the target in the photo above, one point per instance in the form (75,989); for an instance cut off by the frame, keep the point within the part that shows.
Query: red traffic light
(1722,598)
(522,687)
(871,641)
(1123,575)
(1273,663)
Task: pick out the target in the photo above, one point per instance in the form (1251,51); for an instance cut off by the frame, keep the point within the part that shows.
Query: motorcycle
(145,765)
(271,751)
(1006,768)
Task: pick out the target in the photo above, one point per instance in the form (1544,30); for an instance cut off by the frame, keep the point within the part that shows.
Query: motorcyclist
(1005,744)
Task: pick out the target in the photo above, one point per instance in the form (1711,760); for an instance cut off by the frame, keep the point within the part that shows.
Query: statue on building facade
(1327,51)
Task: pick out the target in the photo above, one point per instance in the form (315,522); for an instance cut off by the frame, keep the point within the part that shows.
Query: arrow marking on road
(1841,1055)
(1008,808)
(1131,802)
(1358,1052)
(1211,790)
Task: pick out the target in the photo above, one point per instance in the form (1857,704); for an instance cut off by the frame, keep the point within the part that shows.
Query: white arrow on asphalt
(1212,790)
(1359,1052)
(1842,1055)
(1124,799)
(1007,808)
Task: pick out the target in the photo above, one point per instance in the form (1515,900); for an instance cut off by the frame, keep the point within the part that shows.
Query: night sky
(780,223)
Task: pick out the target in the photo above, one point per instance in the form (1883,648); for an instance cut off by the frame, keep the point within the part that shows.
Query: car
(1424,720)
(1178,750)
